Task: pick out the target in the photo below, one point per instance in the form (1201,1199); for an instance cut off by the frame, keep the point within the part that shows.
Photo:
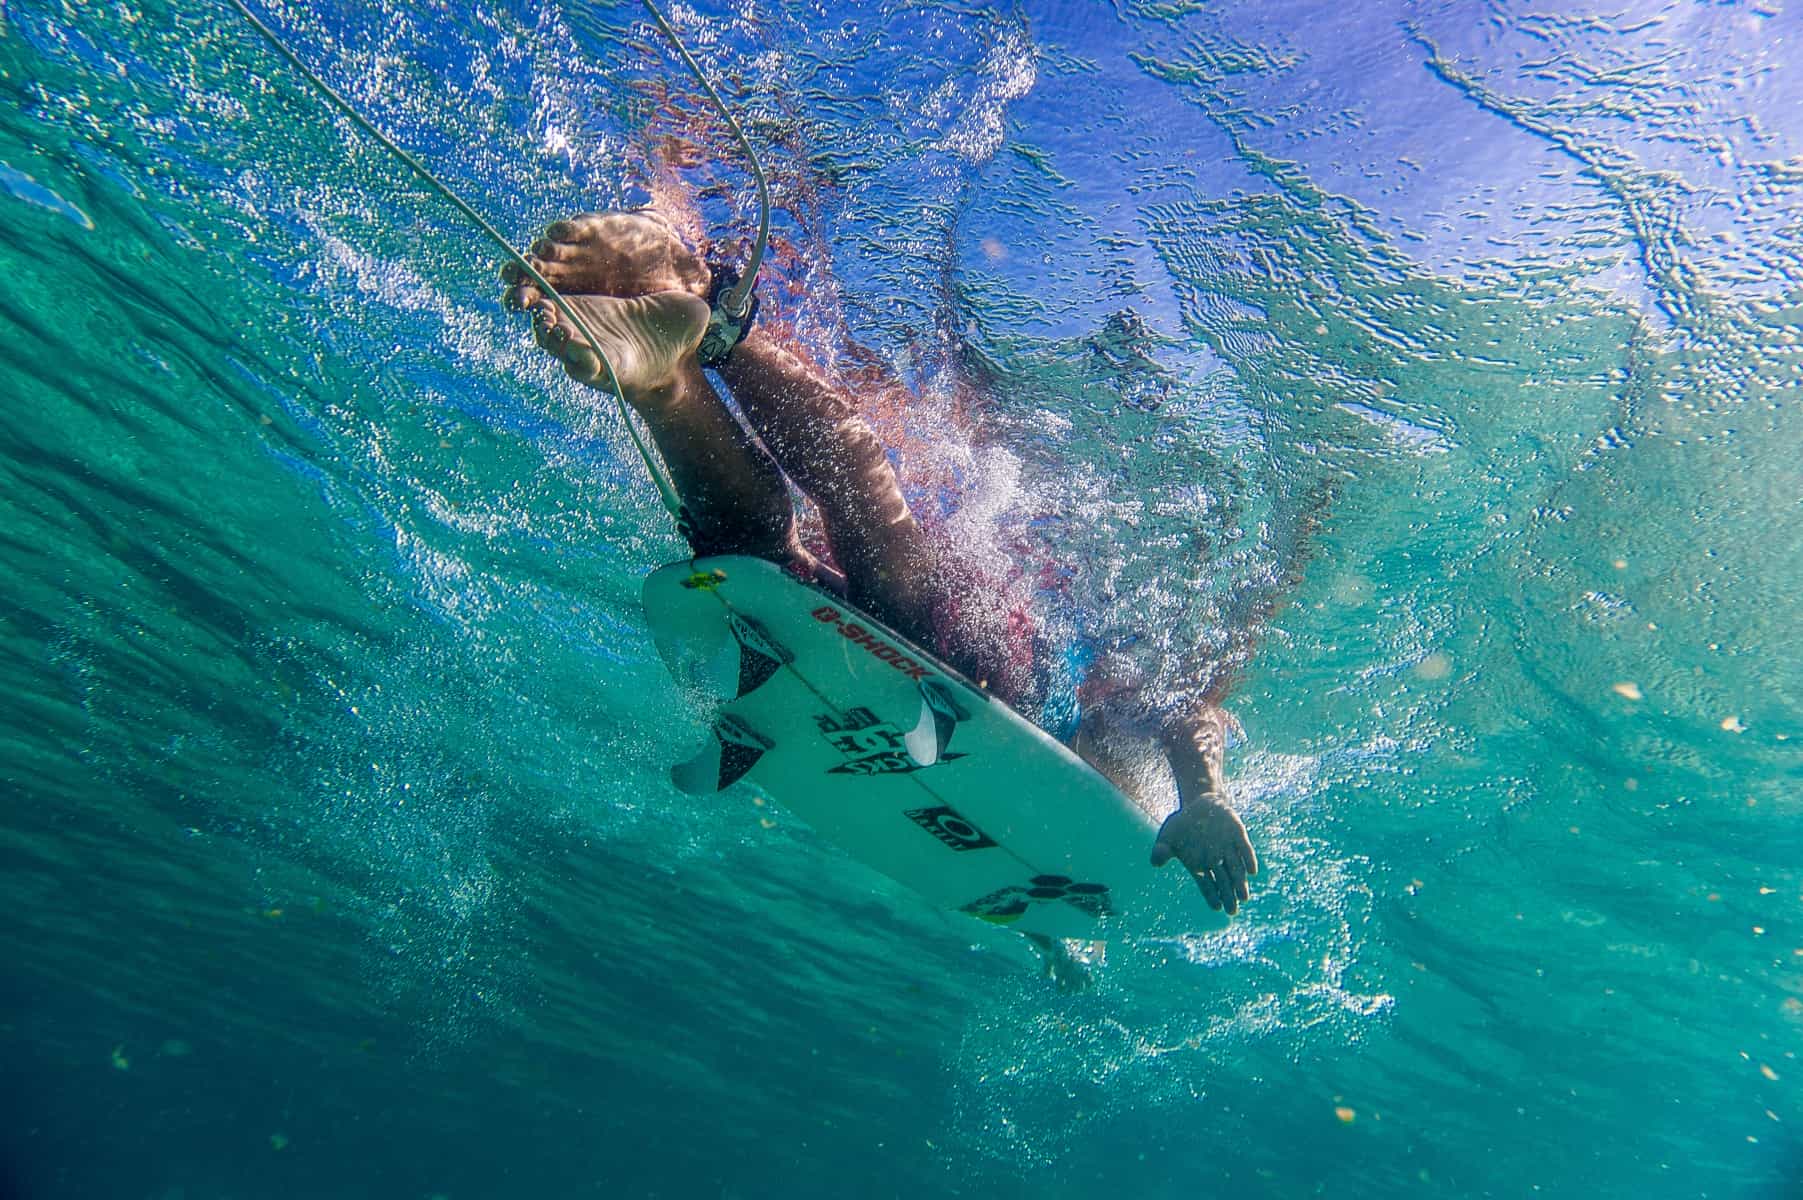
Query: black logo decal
(870,746)
(1010,903)
(949,827)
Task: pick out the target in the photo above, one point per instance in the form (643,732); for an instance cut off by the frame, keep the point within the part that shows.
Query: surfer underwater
(648,297)
(629,285)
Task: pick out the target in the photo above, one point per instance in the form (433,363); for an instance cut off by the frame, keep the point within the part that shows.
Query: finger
(1249,856)
(1224,888)
(1205,881)
(1235,871)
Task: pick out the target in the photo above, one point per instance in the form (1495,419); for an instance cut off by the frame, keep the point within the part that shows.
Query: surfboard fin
(703,661)
(735,749)
(939,716)
(760,655)
(721,667)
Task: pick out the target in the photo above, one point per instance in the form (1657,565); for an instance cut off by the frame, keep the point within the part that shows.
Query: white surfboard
(904,763)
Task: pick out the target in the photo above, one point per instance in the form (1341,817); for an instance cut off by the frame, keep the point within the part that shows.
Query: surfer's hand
(1208,838)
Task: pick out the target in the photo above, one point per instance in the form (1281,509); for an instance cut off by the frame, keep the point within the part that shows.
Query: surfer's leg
(814,431)
(893,570)
(818,437)
(730,484)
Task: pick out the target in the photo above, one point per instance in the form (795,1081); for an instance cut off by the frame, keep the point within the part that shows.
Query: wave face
(1429,371)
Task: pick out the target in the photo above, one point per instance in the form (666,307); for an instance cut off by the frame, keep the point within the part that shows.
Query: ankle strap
(724,329)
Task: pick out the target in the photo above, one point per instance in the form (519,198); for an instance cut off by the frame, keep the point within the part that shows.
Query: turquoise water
(338,852)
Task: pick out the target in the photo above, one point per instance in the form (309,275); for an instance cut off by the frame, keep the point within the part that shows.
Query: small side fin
(939,716)
(735,749)
(760,655)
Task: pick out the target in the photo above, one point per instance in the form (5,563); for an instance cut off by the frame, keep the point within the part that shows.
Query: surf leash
(666,490)
(733,312)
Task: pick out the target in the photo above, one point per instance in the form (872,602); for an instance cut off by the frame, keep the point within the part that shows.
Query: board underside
(904,763)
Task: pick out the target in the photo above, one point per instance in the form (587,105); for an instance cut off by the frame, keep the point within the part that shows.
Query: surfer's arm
(1204,834)
(1196,745)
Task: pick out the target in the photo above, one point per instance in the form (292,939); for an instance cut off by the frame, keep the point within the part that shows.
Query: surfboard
(904,763)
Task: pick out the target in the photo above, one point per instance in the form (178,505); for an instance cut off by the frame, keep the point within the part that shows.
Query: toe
(545,329)
(558,263)
(583,227)
(581,364)
(546,250)
(520,297)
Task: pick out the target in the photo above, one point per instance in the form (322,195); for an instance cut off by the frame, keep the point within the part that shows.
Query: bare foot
(608,254)
(632,282)
(647,338)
